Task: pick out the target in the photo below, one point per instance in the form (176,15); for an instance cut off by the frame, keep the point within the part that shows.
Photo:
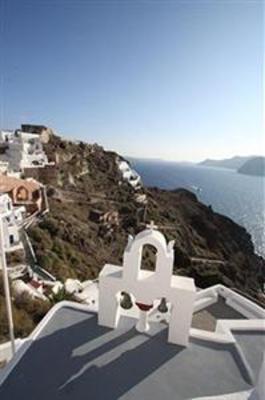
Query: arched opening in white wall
(148,258)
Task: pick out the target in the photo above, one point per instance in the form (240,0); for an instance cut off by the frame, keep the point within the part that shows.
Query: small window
(11,239)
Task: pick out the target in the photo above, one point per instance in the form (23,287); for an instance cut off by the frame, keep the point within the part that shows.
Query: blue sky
(178,80)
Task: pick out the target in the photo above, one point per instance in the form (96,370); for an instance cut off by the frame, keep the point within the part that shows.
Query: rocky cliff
(92,211)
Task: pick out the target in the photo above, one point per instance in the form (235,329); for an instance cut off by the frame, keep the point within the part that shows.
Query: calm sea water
(240,197)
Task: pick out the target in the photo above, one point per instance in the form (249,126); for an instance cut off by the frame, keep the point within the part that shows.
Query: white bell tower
(148,286)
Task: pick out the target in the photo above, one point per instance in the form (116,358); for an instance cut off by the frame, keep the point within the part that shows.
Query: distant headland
(254,166)
(248,165)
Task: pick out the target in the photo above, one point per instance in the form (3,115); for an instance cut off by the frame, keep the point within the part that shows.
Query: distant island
(235,162)
(248,165)
(254,166)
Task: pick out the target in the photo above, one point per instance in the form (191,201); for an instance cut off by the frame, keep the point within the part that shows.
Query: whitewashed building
(21,150)
(129,174)
(12,220)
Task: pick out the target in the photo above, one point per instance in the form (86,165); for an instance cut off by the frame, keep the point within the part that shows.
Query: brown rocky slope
(69,243)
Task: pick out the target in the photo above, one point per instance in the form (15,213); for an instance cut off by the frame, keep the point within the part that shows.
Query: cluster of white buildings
(20,150)
(37,283)
(22,200)
(13,220)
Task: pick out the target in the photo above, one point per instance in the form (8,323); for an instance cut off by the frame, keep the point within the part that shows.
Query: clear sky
(179,80)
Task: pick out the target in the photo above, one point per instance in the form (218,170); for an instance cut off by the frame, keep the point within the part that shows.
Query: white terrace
(22,150)
(151,350)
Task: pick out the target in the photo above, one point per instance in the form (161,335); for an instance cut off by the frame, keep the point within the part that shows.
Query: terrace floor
(75,358)
(207,318)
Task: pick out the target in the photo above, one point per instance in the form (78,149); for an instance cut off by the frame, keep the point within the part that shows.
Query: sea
(240,197)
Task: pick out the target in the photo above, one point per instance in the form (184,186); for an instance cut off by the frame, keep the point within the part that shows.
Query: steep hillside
(71,242)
